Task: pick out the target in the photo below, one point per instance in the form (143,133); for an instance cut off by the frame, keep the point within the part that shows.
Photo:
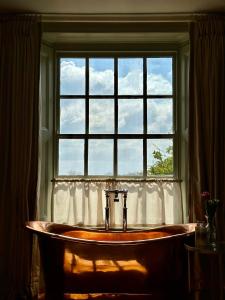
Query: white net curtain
(148,203)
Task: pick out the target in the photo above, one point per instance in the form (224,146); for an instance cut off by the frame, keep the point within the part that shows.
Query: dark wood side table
(206,271)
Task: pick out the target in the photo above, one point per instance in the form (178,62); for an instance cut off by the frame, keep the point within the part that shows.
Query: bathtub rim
(67,228)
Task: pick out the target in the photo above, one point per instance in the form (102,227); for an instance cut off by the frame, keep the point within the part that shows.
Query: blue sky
(159,73)
(101,111)
(101,64)
(161,66)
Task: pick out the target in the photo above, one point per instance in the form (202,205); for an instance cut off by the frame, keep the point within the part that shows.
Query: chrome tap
(125,211)
(107,211)
(116,199)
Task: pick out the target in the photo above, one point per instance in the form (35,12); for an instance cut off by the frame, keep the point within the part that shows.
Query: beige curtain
(148,203)
(19,87)
(207,116)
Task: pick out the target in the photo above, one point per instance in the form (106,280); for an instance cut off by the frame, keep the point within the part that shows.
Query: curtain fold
(207,116)
(83,203)
(20,38)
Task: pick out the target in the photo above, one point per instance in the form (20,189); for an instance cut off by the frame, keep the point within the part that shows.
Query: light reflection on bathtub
(76,264)
(106,297)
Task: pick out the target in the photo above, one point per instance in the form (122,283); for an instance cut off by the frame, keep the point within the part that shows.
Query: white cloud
(131,84)
(101,114)
(72,78)
(101,82)
(72,75)
(158,85)
(71,153)
(130,118)
(100,157)
(159,116)
(72,116)
(130,157)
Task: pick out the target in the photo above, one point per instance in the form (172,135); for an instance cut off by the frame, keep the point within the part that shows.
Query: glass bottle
(211,231)
(201,234)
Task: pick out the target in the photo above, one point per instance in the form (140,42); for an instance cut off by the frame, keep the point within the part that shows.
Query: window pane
(72,116)
(71,157)
(130,116)
(160,157)
(101,76)
(101,115)
(130,76)
(100,157)
(159,76)
(160,116)
(130,157)
(72,76)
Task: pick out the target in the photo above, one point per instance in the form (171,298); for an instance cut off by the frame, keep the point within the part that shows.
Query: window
(116,116)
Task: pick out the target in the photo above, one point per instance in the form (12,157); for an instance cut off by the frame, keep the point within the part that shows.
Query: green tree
(163,164)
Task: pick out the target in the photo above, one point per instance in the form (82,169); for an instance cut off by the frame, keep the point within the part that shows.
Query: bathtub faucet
(116,199)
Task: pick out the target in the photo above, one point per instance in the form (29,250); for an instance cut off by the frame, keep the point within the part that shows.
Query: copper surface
(82,261)
(109,297)
(116,236)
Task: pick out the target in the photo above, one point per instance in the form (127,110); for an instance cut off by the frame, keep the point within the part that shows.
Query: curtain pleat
(20,38)
(207,116)
(79,203)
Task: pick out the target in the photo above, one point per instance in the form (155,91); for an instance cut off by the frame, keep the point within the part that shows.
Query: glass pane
(101,76)
(72,76)
(72,116)
(130,116)
(130,157)
(160,157)
(101,115)
(71,157)
(130,76)
(159,76)
(160,115)
(100,157)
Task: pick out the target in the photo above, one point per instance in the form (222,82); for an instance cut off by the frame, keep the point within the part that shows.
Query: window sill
(118,179)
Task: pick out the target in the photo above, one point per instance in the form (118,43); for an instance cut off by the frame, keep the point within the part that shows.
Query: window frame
(115,136)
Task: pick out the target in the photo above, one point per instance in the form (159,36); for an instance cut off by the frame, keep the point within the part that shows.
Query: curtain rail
(123,17)
(115,180)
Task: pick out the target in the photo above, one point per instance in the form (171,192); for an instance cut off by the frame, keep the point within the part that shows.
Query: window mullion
(145,117)
(115,152)
(176,170)
(86,117)
(57,117)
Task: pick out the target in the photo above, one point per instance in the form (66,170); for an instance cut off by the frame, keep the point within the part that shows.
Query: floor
(108,297)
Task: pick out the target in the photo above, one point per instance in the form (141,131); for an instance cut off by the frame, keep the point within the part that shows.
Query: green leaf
(162,166)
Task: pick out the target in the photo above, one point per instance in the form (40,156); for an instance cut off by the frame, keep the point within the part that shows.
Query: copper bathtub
(148,262)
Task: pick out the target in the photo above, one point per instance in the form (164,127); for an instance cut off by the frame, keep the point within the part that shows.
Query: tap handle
(107,199)
(124,218)
(107,218)
(125,212)
(125,200)
(107,213)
